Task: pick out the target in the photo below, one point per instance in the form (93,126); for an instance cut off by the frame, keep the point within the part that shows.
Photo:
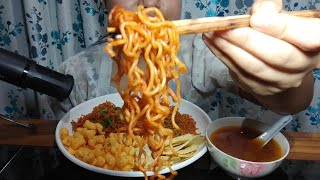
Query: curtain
(50,31)
(47,31)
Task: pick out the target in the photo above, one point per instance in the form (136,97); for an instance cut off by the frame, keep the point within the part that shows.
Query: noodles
(146,58)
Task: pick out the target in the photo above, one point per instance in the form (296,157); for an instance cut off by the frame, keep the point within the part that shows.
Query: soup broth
(237,142)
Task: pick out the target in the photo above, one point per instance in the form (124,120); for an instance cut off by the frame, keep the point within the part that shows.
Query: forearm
(292,100)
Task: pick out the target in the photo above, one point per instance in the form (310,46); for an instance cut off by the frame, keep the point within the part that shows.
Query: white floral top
(93,69)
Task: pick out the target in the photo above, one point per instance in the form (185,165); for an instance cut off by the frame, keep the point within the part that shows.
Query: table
(39,158)
(304,145)
(67,170)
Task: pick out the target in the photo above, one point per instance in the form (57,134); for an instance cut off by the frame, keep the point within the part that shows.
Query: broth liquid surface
(236,141)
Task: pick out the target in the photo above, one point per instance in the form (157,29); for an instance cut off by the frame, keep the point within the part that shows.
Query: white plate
(201,118)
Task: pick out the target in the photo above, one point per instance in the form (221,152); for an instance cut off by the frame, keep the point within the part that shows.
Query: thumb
(299,31)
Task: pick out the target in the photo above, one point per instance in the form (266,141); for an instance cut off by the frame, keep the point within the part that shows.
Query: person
(279,79)
(269,63)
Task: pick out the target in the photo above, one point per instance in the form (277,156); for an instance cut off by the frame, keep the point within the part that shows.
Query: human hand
(274,54)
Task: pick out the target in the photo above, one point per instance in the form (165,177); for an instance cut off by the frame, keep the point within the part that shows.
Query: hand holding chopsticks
(274,57)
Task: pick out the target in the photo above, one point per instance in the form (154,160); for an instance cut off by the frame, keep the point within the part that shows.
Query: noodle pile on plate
(146,58)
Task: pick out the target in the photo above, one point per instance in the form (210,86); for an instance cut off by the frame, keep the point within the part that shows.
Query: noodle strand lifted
(147,60)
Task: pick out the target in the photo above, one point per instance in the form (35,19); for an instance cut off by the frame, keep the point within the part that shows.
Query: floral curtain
(47,31)
(50,31)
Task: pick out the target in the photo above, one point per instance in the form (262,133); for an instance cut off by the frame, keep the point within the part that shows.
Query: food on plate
(147,60)
(96,149)
(100,145)
(108,115)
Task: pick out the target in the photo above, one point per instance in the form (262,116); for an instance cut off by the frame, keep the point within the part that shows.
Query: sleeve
(208,72)
(92,73)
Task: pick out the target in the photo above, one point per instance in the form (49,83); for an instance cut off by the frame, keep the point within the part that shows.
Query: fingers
(252,85)
(270,50)
(249,68)
(299,31)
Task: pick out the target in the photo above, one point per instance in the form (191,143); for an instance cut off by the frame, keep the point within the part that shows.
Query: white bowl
(239,168)
(201,118)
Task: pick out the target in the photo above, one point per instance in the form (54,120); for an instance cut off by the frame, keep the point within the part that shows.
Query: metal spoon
(265,137)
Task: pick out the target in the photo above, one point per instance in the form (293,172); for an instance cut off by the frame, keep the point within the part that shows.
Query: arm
(292,100)
(274,59)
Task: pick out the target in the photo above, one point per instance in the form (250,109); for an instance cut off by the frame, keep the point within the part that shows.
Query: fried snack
(118,151)
(91,146)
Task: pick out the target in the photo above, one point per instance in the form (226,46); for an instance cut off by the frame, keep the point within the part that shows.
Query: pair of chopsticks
(201,25)
(207,24)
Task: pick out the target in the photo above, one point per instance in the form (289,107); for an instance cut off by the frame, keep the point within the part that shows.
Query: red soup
(237,142)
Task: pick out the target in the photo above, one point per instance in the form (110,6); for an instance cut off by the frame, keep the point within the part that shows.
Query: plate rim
(96,169)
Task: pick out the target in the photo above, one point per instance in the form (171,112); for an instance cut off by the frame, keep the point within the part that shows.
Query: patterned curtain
(47,31)
(50,31)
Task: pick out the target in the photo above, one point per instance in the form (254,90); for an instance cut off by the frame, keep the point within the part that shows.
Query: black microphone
(23,72)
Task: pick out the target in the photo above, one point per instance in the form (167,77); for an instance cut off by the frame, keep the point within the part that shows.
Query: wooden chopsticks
(207,24)
(201,25)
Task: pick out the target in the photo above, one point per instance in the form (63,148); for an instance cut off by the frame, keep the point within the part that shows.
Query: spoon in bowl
(265,137)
